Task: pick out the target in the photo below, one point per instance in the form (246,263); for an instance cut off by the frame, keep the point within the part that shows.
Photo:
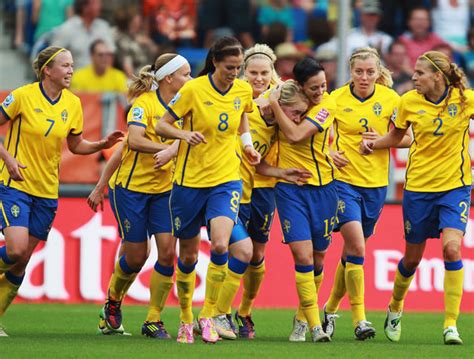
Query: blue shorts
(140,215)
(360,204)
(307,212)
(239,232)
(193,207)
(261,214)
(20,209)
(426,214)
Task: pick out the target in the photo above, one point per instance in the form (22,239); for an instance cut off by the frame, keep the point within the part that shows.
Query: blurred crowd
(111,40)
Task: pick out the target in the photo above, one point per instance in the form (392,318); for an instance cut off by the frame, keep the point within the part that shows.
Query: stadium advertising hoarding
(75,264)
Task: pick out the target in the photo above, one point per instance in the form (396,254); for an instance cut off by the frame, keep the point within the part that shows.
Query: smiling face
(315,87)
(60,70)
(258,74)
(364,73)
(228,69)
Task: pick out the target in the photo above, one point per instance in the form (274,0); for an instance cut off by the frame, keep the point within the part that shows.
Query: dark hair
(393,44)
(306,68)
(79,5)
(417,8)
(223,47)
(94,44)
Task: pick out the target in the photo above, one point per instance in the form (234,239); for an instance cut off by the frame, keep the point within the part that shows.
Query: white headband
(170,67)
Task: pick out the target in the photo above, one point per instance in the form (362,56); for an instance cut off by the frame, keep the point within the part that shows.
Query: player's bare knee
(188,259)
(219,247)
(166,256)
(19,254)
(411,263)
(452,252)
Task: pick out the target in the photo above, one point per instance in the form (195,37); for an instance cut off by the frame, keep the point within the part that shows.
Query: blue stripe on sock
(163,270)
(125,267)
(14,279)
(318,271)
(403,271)
(219,259)
(4,256)
(304,269)
(237,266)
(343,262)
(184,268)
(355,260)
(453,265)
(257,264)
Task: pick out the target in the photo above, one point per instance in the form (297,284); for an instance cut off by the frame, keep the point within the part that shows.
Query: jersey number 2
(438,132)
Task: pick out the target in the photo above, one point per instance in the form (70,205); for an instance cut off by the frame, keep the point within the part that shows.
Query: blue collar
(209,75)
(443,96)
(361,99)
(160,99)
(52,102)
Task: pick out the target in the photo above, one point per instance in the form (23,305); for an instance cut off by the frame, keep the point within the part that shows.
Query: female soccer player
(437,192)
(366,106)
(41,116)
(308,213)
(139,195)
(206,183)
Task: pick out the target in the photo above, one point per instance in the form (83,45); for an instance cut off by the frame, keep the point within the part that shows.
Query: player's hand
(366,147)
(13,168)
(265,110)
(96,199)
(275,94)
(112,139)
(194,138)
(371,135)
(163,157)
(338,158)
(296,175)
(253,156)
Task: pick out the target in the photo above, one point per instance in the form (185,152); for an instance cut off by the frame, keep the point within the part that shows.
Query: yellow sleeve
(321,116)
(182,102)
(77,123)
(400,118)
(138,113)
(11,106)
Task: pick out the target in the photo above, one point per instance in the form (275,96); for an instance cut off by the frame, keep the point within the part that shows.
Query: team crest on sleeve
(452,110)
(15,210)
(237,103)
(322,115)
(377,108)
(137,114)
(8,100)
(394,115)
(175,98)
(64,116)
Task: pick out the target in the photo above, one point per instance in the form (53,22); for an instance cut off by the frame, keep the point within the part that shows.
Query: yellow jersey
(263,137)
(217,115)
(136,171)
(87,80)
(355,116)
(439,157)
(38,127)
(312,153)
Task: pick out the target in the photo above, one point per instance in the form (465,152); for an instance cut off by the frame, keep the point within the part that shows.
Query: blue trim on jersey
(355,260)
(443,96)
(175,116)
(52,102)
(184,268)
(4,256)
(361,99)
(160,99)
(403,271)
(187,151)
(327,157)
(209,75)
(453,265)
(316,161)
(237,266)
(304,269)
(16,145)
(219,259)
(133,169)
(14,279)
(5,114)
(136,124)
(409,158)
(164,270)
(320,129)
(462,153)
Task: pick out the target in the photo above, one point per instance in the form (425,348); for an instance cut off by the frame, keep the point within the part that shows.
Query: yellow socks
(5,262)
(121,279)
(160,285)
(338,288)
(403,278)
(318,279)
(186,282)
(453,286)
(307,294)
(354,277)
(216,272)
(235,272)
(9,285)
(253,279)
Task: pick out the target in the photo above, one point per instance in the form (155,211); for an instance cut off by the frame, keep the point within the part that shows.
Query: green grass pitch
(68,331)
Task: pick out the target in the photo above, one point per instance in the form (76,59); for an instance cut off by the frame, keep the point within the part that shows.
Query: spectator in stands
(397,62)
(469,56)
(287,56)
(395,14)
(276,11)
(22,40)
(328,60)
(451,21)
(277,34)
(134,48)
(47,14)
(419,39)
(99,76)
(78,32)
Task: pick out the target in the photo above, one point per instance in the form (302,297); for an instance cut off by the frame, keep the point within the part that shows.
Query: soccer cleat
(185,333)
(246,326)
(329,323)
(364,330)
(113,314)
(319,336)
(208,330)
(232,325)
(196,327)
(105,328)
(393,326)
(451,336)
(223,328)
(3,333)
(300,328)
(155,330)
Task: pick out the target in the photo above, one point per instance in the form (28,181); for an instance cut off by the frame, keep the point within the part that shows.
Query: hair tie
(258,53)
(170,67)
(51,59)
